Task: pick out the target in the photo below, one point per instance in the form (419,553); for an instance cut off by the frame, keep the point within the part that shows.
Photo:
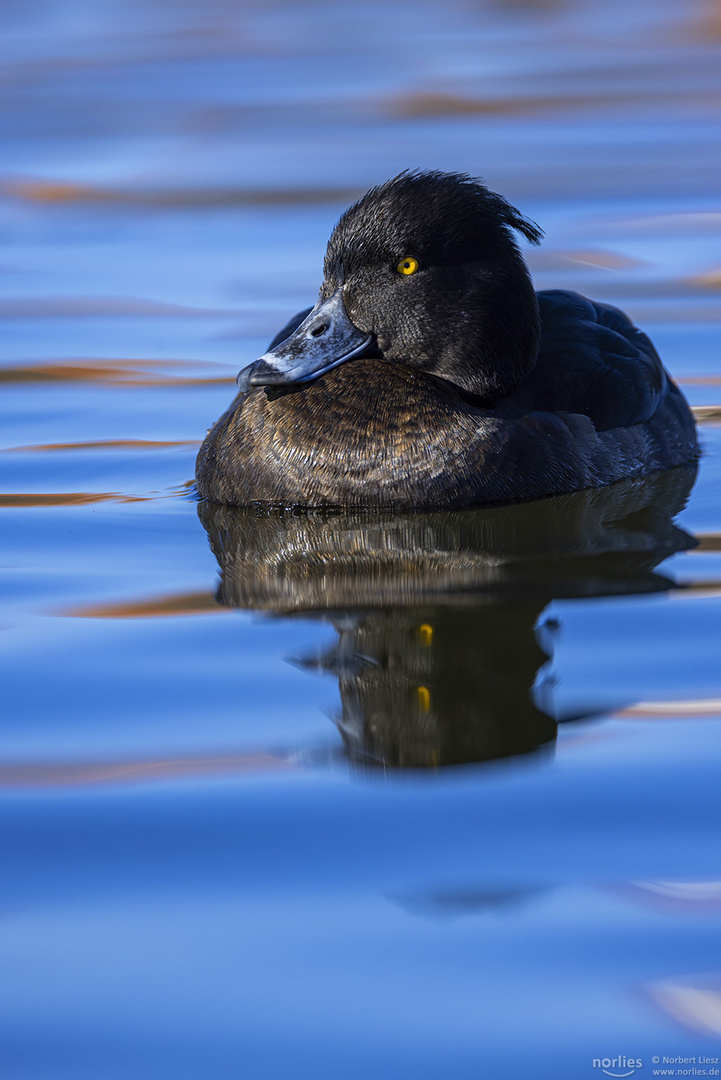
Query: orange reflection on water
(710,541)
(127,372)
(60,192)
(69,498)
(425,104)
(104,444)
(194,603)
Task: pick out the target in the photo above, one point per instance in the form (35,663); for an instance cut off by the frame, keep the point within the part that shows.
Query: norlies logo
(618,1066)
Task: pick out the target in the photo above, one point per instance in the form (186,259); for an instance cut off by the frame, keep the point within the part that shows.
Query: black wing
(593,361)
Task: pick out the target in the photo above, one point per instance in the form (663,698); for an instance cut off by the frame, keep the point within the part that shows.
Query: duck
(431,375)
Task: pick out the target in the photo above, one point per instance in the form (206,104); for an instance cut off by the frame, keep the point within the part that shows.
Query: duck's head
(423,271)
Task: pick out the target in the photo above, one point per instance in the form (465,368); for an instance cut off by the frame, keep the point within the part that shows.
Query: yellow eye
(408,266)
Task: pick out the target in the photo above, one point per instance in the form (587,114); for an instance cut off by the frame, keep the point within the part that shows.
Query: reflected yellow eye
(423,697)
(407,266)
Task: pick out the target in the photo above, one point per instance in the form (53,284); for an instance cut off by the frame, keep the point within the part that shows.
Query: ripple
(693,1002)
(60,307)
(667,710)
(80,774)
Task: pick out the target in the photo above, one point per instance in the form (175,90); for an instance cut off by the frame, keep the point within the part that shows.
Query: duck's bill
(325,339)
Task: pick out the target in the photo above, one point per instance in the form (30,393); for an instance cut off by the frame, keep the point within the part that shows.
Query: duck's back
(593,361)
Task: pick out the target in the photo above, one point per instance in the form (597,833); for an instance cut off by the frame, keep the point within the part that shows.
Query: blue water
(392,821)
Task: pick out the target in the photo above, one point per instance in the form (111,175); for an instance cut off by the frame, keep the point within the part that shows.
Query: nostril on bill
(318,330)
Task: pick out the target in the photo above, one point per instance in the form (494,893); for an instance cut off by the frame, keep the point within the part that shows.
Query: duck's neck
(504,344)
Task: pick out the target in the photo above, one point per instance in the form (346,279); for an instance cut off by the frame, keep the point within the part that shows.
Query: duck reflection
(437,615)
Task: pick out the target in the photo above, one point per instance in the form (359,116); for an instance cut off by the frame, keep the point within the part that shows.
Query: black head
(468,313)
(423,271)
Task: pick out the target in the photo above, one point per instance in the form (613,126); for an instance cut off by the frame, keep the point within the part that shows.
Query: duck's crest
(448,212)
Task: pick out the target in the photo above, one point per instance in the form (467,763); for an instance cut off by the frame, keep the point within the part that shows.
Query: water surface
(296,795)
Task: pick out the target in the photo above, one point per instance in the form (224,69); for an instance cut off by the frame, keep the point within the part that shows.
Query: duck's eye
(408,266)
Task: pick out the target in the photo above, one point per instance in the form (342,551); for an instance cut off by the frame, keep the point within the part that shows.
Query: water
(445,807)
